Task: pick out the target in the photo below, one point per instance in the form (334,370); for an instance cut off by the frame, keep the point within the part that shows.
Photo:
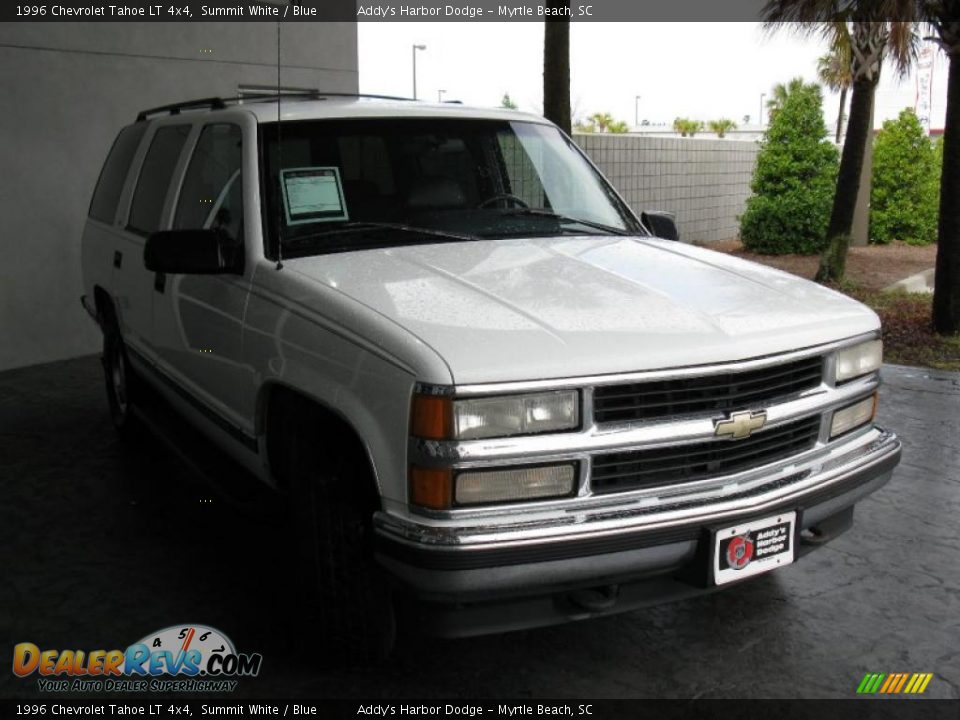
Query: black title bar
(510,709)
(382,11)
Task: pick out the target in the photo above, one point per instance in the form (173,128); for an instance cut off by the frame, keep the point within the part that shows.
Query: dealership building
(68,88)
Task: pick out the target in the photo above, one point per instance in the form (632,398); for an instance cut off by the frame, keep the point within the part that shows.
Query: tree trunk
(946,291)
(556,67)
(843,106)
(860,231)
(834,259)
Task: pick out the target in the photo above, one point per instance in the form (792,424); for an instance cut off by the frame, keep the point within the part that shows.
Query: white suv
(481,380)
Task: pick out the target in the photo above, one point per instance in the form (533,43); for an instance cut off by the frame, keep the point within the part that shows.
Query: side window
(212,193)
(103,206)
(155,176)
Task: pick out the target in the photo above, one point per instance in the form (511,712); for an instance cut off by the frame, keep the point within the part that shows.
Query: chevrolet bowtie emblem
(740,425)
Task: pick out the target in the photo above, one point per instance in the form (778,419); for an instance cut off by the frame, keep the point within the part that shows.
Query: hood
(505,310)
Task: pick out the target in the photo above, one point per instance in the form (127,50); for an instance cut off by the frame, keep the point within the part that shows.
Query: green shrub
(794,180)
(905,195)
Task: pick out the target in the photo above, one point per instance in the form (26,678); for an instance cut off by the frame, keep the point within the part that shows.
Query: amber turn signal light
(432,417)
(431,487)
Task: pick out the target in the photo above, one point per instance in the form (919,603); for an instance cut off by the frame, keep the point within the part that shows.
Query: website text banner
(381,11)
(505,709)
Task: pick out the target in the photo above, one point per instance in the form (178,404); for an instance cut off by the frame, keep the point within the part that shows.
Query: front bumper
(486,578)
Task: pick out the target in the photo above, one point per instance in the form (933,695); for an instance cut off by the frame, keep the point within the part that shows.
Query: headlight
(518,415)
(859,360)
(442,418)
(853,416)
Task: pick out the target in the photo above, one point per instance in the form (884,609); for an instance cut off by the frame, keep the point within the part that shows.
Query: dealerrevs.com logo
(180,658)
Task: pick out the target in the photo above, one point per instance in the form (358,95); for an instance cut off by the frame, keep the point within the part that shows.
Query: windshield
(338,185)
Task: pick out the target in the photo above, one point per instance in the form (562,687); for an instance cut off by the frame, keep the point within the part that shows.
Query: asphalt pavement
(102,544)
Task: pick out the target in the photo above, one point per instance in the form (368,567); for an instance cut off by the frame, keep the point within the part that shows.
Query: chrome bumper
(600,521)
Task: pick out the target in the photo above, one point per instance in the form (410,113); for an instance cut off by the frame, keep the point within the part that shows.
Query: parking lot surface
(102,545)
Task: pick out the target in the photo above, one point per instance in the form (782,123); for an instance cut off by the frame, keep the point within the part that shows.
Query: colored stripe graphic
(900,684)
(894,683)
(891,680)
(870,683)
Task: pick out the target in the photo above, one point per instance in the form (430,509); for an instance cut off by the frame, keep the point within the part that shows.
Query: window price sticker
(312,194)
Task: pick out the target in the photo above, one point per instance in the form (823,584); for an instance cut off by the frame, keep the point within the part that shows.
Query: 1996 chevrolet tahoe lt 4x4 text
(481,380)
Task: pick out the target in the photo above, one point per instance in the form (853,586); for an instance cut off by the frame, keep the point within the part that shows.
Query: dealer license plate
(753,548)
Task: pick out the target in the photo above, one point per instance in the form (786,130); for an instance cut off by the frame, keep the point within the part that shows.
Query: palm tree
(722,126)
(778,96)
(556,65)
(602,120)
(943,15)
(584,126)
(619,127)
(871,36)
(833,69)
(687,128)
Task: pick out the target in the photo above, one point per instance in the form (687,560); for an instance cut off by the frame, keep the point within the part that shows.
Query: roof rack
(256,93)
(214,103)
(247,92)
(308,94)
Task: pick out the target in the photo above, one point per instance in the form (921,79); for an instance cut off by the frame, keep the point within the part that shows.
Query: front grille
(705,394)
(638,469)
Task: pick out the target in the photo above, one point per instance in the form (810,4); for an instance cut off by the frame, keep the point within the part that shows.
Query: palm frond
(903,45)
(802,17)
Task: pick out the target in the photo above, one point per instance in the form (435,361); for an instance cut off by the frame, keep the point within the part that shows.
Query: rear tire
(346,600)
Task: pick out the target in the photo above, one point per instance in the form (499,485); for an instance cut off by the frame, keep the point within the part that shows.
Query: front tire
(346,600)
(119,381)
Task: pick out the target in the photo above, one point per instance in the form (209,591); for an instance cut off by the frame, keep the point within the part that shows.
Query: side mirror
(661,223)
(189,252)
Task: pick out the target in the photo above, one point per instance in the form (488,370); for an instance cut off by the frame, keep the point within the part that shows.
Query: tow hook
(595,599)
(828,528)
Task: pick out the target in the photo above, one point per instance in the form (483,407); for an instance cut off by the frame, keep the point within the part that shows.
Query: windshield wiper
(359,227)
(567,219)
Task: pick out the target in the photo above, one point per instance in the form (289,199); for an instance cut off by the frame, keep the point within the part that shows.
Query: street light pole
(762,96)
(636,111)
(440,95)
(414,53)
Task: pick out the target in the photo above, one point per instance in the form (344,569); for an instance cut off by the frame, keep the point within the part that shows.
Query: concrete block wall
(705,182)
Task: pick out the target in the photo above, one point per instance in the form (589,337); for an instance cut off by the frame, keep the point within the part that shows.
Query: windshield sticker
(312,194)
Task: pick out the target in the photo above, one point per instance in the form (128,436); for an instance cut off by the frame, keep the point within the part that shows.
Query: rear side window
(155,176)
(103,206)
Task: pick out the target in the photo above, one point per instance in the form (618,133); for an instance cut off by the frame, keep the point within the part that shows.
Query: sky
(702,71)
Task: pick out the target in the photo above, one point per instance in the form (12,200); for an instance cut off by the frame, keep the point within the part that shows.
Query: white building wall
(67,89)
